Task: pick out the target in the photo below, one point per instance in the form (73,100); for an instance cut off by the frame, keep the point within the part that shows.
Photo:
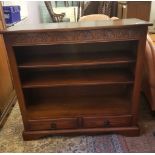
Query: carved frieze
(74,36)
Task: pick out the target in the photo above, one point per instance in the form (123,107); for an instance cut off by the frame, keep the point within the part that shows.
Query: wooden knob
(106,123)
(53,125)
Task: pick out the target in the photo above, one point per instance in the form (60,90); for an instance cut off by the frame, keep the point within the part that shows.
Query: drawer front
(54,124)
(106,122)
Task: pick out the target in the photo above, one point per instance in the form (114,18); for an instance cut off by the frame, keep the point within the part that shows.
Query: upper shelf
(77,25)
(42,63)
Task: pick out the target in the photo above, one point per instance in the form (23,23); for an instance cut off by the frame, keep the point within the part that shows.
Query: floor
(11,136)
(146,141)
(11,140)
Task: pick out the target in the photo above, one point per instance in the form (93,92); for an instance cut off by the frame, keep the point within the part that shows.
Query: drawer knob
(53,125)
(106,124)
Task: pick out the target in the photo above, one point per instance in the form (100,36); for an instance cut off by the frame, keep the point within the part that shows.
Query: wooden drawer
(106,122)
(54,124)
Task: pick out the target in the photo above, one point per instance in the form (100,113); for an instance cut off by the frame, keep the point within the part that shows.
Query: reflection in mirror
(152,17)
(36,12)
(60,11)
(72,11)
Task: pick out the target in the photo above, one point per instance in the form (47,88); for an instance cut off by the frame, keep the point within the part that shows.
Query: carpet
(146,141)
(11,140)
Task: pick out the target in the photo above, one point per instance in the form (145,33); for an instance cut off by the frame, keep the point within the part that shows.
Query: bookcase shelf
(70,107)
(77,78)
(62,64)
(76,55)
(76,61)
(74,77)
(78,101)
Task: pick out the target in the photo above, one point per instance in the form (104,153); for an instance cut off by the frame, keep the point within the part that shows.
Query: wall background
(37,12)
(152,14)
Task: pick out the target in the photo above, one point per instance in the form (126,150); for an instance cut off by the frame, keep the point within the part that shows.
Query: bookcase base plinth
(126,131)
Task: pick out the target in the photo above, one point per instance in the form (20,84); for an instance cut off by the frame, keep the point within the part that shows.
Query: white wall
(33,12)
(152,14)
(29,9)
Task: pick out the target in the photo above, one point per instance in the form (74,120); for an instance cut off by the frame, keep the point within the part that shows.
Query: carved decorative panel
(74,36)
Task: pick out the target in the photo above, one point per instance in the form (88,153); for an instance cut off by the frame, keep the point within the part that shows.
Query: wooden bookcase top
(77,26)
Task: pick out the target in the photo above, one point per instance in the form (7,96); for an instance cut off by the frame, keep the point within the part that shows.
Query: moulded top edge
(66,26)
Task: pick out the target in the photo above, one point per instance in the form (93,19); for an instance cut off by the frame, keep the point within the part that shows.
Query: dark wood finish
(139,9)
(82,97)
(83,107)
(7,92)
(55,57)
(63,27)
(54,124)
(71,77)
(106,122)
(78,78)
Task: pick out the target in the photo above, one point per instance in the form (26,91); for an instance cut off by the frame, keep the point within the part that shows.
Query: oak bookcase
(78,78)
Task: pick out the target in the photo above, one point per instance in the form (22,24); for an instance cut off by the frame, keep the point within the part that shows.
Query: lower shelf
(78,106)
